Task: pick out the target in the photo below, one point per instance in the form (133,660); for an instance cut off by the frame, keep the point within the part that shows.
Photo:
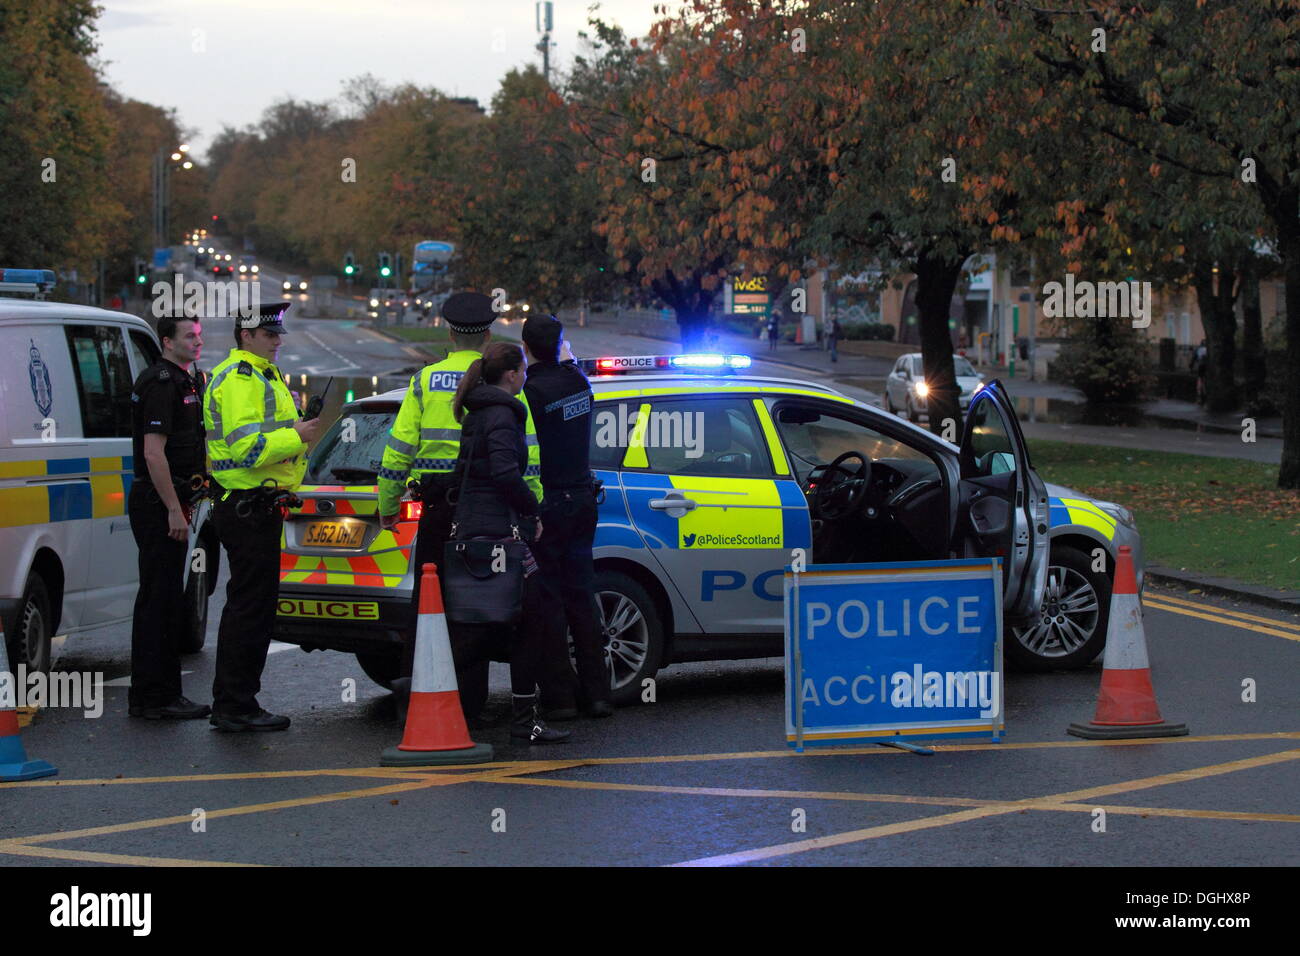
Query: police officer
(423,446)
(167,448)
(560,399)
(257,448)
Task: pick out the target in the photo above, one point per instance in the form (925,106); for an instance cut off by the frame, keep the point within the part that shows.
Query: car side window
(815,437)
(990,449)
(611,430)
(706,436)
(103,380)
(143,350)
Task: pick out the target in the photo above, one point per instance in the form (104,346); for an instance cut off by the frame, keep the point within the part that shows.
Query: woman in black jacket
(496,501)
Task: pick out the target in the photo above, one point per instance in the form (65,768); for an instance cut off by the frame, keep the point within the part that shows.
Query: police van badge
(42,390)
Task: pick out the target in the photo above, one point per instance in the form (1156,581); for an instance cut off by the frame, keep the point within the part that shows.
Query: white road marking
(347,367)
(278,646)
(126,681)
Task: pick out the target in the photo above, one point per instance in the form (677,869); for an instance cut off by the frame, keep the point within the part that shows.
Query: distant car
(294,284)
(222,264)
(906,389)
(247,267)
(386,299)
(516,309)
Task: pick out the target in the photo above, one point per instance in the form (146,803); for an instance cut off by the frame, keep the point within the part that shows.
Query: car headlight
(1119,513)
(286,287)
(921,389)
(374,303)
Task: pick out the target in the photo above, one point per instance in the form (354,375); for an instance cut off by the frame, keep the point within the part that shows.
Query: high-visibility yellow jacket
(249,414)
(425,436)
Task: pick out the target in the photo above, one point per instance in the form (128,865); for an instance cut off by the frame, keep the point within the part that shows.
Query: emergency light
(37,281)
(691,362)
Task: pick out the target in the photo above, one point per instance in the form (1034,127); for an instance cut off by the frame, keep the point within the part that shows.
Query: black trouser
(158,627)
(253,547)
(567,580)
(470,646)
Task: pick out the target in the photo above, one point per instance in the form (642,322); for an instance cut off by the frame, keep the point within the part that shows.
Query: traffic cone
(1126,704)
(14,764)
(435,724)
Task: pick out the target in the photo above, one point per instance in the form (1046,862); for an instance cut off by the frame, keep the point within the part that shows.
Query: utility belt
(189,491)
(267,500)
(433,488)
(592,486)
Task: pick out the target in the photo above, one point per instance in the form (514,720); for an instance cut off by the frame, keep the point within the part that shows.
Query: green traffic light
(349,395)
(385,272)
(349,269)
(141,279)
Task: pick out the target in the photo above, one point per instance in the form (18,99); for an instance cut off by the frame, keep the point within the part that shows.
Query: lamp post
(163,164)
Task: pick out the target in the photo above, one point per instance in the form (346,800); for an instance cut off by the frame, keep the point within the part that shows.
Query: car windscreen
(961,367)
(353,448)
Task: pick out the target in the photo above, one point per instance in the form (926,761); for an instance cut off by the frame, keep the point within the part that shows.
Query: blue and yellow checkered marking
(1078,511)
(102,494)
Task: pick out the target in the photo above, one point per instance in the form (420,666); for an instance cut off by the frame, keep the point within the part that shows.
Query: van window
(103,380)
(143,350)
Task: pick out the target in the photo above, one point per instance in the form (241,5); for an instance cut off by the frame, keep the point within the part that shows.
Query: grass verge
(1219,516)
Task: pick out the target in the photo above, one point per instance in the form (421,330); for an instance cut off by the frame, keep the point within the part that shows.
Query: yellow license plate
(333,534)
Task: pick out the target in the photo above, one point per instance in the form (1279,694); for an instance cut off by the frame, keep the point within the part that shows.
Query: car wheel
(29,645)
(382,668)
(1071,629)
(908,412)
(889,405)
(630,623)
(196,609)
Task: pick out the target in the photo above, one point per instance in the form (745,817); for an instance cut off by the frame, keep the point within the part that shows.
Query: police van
(712,477)
(67,555)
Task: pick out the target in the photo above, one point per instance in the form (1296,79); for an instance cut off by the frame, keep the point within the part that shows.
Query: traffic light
(141,272)
(349,265)
(385,265)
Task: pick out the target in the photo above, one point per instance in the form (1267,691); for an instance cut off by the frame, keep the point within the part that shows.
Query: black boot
(527,724)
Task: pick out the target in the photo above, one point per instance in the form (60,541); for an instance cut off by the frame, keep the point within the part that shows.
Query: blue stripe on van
(70,502)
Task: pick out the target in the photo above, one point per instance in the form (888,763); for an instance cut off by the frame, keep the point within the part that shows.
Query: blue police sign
(877,652)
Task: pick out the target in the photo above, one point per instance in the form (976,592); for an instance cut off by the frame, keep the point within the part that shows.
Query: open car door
(1002,509)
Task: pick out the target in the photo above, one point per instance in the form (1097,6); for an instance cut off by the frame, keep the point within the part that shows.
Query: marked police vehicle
(711,479)
(67,555)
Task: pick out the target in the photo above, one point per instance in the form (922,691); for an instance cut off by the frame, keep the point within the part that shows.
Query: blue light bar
(710,360)
(34,276)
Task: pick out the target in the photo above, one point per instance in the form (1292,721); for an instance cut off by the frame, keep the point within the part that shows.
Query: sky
(222,62)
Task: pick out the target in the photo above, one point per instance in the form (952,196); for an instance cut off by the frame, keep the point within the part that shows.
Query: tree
(1203,90)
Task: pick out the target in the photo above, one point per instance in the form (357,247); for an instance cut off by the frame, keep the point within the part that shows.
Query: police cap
(269,317)
(468,312)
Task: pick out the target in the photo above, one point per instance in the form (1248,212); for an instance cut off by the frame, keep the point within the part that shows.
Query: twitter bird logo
(688,540)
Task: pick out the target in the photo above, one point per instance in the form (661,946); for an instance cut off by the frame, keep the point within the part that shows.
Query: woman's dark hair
(498,358)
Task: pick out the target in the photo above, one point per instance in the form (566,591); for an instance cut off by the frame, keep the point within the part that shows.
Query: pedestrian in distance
(423,447)
(833,339)
(773,330)
(168,453)
(561,402)
(1199,364)
(497,503)
(257,447)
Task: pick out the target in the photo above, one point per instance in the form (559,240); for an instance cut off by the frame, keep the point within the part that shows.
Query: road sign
(878,652)
(162,258)
(750,296)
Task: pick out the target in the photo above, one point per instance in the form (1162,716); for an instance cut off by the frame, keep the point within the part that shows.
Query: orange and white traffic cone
(1126,704)
(435,724)
(14,764)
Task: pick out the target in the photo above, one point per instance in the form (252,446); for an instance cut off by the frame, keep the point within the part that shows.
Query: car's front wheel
(1071,627)
(31,643)
(629,621)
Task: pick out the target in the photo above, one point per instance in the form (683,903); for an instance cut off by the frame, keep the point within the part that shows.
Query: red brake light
(604,363)
(411,510)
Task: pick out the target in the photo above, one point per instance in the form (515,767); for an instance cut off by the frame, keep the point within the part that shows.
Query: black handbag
(482,578)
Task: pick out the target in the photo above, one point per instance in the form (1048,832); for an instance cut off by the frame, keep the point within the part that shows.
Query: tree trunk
(936,280)
(1288,475)
(1216,298)
(1252,337)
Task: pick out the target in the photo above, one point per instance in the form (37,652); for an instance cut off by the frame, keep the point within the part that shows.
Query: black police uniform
(560,399)
(165,401)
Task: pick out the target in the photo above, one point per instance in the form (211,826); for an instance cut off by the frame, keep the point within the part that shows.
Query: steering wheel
(829,498)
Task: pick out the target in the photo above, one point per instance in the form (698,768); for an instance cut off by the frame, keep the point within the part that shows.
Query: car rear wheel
(381,668)
(629,621)
(1071,629)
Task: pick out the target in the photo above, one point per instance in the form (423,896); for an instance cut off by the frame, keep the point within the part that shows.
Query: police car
(712,478)
(67,555)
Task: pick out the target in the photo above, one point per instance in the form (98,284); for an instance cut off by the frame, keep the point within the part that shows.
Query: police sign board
(875,652)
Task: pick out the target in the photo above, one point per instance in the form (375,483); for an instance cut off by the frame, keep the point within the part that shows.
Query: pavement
(700,776)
